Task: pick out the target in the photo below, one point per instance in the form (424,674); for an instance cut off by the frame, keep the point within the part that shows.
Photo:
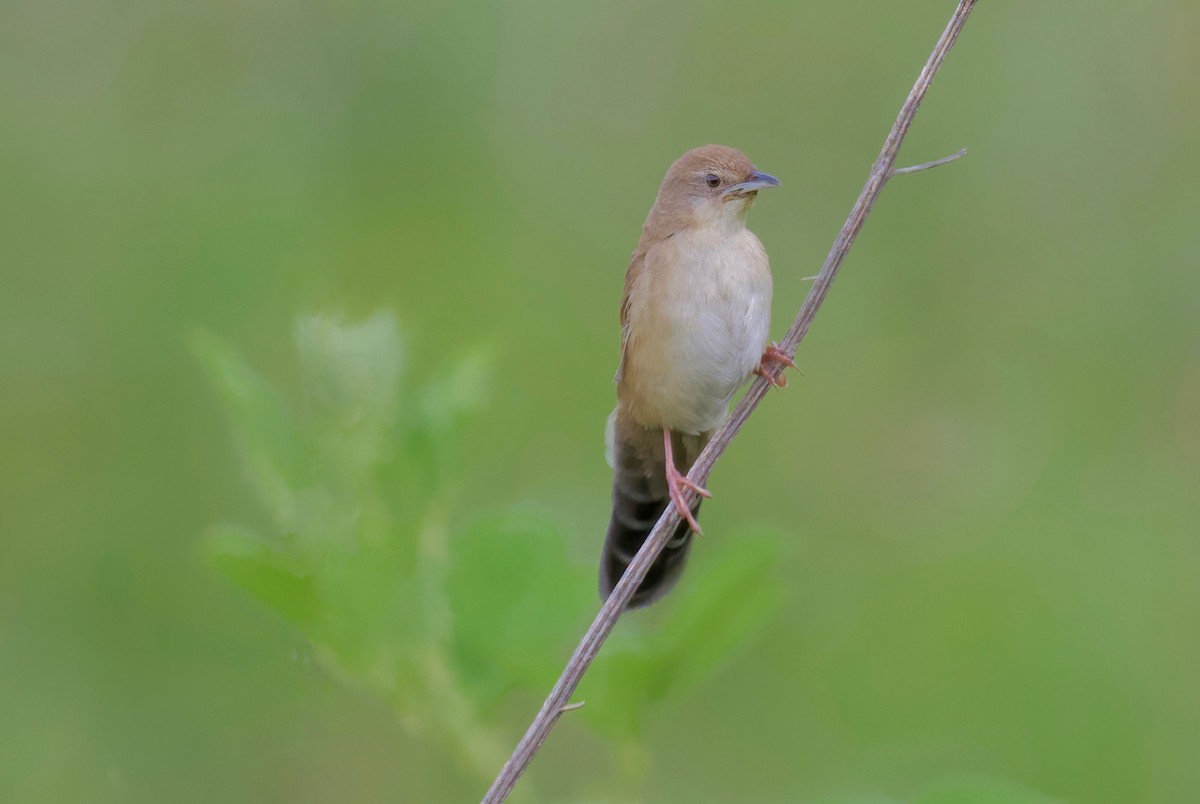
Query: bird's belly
(703,346)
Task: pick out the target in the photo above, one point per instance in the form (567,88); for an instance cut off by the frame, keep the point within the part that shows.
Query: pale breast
(698,321)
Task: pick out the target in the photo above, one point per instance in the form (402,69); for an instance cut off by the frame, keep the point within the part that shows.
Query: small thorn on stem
(927,165)
(571,707)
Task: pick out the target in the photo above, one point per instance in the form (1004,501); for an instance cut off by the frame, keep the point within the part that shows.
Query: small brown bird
(694,323)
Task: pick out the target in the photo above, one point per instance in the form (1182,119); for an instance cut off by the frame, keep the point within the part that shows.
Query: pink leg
(769,365)
(677,482)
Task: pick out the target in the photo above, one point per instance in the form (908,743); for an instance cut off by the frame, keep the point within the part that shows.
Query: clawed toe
(677,482)
(769,365)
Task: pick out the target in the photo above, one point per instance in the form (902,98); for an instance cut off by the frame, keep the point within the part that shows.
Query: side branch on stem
(558,701)
(959,154)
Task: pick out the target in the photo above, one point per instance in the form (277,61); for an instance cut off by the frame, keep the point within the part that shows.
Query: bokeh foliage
(979,501)
(361,558)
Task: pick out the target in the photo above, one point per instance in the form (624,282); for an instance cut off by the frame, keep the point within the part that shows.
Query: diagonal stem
(610,612)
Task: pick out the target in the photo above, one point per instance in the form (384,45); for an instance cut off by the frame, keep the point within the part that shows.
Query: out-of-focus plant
(362,554)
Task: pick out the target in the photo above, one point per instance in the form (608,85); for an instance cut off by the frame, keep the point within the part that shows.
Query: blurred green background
(974,517)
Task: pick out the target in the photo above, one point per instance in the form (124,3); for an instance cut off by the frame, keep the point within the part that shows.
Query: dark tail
(639,496)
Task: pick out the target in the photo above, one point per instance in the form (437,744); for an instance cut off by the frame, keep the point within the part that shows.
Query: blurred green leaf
(720,607)
(374,617)
(458,390)
(352,371)
(724,604)
(362,555)
(273,576)
(272,450)
(517,603)
(619,685)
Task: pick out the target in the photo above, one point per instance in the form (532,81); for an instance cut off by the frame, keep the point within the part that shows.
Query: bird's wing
(636,264)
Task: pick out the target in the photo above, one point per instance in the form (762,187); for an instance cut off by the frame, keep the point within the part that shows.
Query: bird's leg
(769,365)
(676,482)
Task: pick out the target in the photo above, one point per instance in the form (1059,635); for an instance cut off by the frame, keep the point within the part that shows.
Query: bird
(695,321)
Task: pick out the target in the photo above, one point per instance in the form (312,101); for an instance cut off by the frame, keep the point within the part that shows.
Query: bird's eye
(712,180)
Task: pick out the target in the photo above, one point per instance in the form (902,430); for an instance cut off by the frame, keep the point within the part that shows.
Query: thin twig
(959,154)
(613,607)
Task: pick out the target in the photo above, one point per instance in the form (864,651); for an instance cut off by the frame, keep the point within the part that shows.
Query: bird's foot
(677,482)
(772,363)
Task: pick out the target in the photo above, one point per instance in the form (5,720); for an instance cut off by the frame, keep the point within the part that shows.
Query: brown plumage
(694,321)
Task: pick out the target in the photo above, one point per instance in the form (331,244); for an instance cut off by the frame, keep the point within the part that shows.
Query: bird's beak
(757,181)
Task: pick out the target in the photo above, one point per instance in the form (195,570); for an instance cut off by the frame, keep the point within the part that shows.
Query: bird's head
(712,185)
